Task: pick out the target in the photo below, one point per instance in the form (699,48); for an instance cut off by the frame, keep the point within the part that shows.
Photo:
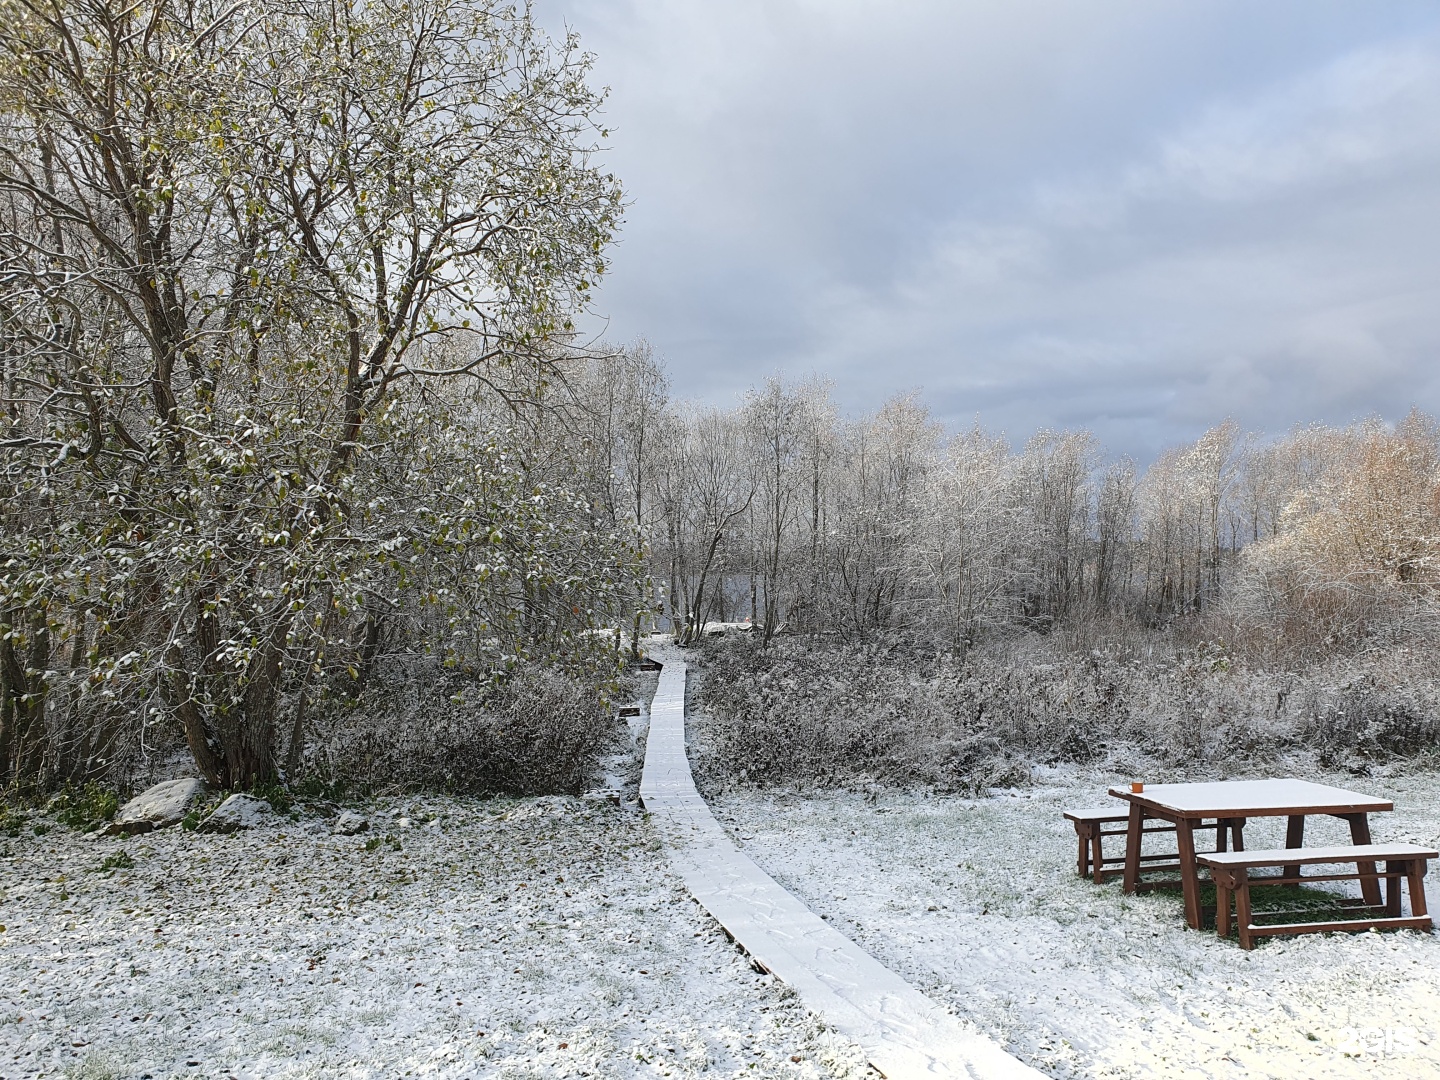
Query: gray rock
(238,812)
(349,823)
(158,806)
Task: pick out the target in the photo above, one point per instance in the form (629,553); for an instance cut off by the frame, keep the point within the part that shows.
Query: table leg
(1189,871)
(1222,830)
(1133,837)
(1294,837)
(1369,884)
(1237,832)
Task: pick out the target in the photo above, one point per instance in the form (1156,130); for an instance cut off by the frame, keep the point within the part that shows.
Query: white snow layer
(514,938)
(282,952)
(977,903)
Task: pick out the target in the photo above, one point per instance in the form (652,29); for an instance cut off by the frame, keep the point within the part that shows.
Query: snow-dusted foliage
(420,727)
(285,291)
(849,714)
(783,514)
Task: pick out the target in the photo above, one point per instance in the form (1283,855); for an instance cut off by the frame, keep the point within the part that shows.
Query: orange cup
(1136,786)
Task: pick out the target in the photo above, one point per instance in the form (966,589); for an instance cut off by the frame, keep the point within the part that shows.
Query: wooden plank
(1351,925)
(1312,856)
(1310,879)
(903,1033)
(1109,813)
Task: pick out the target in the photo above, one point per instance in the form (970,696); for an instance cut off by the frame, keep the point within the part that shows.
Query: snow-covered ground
(977,903)
(513,938)
(548,937)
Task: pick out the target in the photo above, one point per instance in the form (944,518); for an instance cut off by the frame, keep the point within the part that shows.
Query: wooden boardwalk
(903,1032)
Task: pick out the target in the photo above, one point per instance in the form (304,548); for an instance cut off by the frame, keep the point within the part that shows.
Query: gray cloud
(1137,217)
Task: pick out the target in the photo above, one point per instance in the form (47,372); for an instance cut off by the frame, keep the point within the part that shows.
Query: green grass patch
(84,809)
(121,860)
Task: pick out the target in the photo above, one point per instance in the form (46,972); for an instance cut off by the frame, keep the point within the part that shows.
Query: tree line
(290,389)
(783,513)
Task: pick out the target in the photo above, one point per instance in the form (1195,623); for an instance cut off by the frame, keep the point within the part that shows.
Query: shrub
(801,713)
(275,794)
(1374,724)
(84,808)
(11,820)
(121,860)
(539,733)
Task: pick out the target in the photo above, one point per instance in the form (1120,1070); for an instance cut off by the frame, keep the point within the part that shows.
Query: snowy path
(903,1032)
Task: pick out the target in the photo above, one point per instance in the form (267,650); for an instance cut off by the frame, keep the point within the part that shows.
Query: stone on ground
(238,812)
(349,823)
(156,807)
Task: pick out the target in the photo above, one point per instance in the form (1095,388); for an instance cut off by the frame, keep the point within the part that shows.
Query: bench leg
(1098,857)
(1224,892)
(1369,883)
(1242,908)
(1294,837)
(1392,886)
(1082,862)
(1416,880)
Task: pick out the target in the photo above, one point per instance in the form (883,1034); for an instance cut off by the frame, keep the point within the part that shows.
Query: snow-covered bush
(801,713)
(539,733)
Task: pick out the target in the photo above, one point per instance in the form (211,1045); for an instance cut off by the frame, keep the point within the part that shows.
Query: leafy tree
(249,256)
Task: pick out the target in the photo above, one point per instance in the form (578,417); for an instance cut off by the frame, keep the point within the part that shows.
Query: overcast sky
(1135,217)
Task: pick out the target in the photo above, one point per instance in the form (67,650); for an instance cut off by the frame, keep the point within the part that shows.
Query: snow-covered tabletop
(1253,798)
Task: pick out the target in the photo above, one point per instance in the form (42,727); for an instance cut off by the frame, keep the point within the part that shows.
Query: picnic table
(1233,801)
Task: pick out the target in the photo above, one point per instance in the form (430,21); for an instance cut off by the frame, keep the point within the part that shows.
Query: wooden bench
(1090,828)
(1231,874)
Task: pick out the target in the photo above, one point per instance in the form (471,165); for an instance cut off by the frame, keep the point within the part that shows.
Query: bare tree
(1057,468)
(721,487)
(775,423)
(963,544)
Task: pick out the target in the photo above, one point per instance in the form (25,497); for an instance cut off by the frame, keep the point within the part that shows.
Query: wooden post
(1294,837)
(1189,874)
(1416,878)
(1392,887)
(1242,907)
(1224,891)
(1132,847)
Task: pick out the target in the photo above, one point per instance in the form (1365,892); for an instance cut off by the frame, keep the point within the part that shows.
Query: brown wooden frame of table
(1243,799)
